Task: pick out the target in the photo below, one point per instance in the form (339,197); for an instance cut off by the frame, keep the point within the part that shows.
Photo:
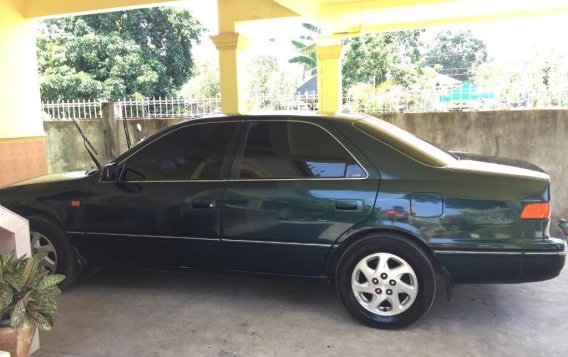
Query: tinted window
(295,150)
(191,153)
(404,141)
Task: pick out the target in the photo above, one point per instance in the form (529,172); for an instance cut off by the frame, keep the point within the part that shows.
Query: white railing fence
(290,102)
(169,107)
(388,102)
(77,109)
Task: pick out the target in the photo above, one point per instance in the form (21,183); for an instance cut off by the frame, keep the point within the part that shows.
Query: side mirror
(110,173)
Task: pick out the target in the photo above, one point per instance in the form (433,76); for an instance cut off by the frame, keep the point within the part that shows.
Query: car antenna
(88,146)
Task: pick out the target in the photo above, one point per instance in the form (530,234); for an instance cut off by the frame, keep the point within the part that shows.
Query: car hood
(497,165)
(54,178)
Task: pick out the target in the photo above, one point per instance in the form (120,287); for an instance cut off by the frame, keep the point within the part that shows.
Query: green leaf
(50,280)
(8,257)
(311,27)
(18,314)
(15,280)
(20,263)
(303,60)
(6,295)
(42,321)
(29,269)
(41,308)
(53,290)
(46,300)
(299,45)
(37,277)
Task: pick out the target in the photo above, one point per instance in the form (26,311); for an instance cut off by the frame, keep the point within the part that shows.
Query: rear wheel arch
(334,258)
(381,295)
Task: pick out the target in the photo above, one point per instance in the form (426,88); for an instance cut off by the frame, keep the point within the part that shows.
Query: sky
(505,39)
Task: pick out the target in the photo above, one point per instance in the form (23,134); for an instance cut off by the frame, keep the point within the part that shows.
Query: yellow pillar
(230,46)
(329,77)
(22,139)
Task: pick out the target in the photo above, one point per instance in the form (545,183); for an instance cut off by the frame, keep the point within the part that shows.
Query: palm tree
(306,47)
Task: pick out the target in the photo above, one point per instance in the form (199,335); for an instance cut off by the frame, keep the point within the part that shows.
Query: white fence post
(112,112)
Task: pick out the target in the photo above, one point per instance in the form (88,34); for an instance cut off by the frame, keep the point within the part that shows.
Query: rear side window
(404,141)
(195,152)
(288,150)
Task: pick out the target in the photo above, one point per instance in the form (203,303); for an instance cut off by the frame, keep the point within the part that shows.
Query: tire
(364,290)
(50,238)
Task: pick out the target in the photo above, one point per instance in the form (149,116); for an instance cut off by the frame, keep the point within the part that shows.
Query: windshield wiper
(88,146)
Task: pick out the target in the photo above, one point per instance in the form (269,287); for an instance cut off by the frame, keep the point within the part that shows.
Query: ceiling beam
(54,8)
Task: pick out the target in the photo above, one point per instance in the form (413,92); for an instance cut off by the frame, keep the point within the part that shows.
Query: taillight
(540,210)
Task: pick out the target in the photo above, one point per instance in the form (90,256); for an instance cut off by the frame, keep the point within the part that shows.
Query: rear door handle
(346,205)
(203,204)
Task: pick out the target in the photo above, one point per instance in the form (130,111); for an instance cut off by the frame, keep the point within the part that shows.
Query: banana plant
(28,293)
(306,48)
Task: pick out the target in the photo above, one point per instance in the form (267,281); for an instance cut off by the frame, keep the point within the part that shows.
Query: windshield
(404,141)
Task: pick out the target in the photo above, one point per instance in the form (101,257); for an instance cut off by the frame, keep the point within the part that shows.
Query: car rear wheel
(49,240)
(386,280)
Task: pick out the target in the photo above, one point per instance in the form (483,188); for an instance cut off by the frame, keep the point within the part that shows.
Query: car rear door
(165,207)
(294,189)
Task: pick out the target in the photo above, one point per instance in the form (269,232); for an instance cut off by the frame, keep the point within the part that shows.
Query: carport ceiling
(352,17)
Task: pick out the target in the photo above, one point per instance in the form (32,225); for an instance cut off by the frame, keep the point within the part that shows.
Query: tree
(205,83)
(458,53)
(306,47)
(537,81)
(382,57)
(269,83)
(144,52)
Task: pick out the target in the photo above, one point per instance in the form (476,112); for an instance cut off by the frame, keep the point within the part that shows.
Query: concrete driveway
(132,313)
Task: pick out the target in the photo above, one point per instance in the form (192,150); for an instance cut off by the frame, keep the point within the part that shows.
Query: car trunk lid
(497,165)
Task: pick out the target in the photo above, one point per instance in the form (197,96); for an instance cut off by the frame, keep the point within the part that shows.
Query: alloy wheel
(384,284)
(41,245)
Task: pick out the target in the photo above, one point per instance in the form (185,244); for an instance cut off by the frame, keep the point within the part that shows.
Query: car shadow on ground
(476,304)
(121,312)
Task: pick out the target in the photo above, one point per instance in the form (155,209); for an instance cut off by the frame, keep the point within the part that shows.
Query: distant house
(309,86)
(443,81)
(440,81)
(467,96)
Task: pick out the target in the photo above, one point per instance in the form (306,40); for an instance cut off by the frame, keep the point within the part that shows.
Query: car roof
(278,115)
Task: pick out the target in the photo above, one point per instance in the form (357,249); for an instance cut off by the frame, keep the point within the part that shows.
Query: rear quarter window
(405,142)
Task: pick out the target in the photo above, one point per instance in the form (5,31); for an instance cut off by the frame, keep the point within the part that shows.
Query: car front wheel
(49,240)
(386,280)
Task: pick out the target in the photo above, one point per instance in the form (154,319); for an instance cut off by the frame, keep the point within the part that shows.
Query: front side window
(195,152)
(288,150)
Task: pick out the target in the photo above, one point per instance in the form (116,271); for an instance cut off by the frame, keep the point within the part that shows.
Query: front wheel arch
(28,211)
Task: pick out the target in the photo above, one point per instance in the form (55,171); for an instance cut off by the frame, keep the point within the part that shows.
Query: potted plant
(27,301)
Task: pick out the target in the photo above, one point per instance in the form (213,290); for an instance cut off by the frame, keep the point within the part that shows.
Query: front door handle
(346,205)
(203,204)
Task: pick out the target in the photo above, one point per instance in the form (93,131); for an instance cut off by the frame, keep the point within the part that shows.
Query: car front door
(165,207)
(294,189)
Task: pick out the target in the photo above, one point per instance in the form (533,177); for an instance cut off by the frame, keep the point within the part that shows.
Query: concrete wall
(539,137)
(64,146)
(65,150)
